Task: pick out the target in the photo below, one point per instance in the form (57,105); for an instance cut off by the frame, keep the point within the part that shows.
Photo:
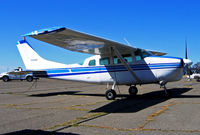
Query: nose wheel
(133,90)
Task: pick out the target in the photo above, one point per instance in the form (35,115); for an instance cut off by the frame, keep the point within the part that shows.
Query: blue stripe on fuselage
(167,57)
(103,69)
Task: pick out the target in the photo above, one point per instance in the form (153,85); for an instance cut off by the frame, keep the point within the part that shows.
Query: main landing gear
(111,94)
(133,90)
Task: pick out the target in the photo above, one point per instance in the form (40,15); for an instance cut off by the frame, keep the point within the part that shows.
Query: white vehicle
(17,74)
(194,76)
(114,63)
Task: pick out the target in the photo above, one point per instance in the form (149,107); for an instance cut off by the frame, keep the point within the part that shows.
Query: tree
(196,68)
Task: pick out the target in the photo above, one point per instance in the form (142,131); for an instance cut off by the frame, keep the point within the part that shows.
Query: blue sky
(150,24)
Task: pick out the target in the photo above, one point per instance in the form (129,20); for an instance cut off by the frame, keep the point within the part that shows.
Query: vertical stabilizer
(33,61)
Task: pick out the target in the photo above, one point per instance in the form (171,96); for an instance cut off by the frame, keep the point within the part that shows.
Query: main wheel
(133,91)
(110,94)
(5,78)
(29,78)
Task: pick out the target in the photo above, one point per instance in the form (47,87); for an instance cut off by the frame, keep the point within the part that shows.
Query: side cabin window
(116,60)
(104,61)
(92,63)
(141,54)
(127,58)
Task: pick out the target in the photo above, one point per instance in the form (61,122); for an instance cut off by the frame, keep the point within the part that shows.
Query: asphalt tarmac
(72,108)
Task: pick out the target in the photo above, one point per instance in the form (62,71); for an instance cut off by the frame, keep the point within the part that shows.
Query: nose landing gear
(167,92)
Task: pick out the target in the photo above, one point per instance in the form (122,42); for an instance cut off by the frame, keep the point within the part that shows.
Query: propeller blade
(186,57)
(187,62)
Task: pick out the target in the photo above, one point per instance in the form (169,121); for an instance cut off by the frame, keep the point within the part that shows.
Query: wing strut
(126,64)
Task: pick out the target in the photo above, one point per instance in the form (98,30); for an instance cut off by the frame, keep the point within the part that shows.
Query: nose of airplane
(187,62)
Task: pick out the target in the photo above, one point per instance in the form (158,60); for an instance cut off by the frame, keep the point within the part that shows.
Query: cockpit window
(92,63)
(104,61)
(141,54)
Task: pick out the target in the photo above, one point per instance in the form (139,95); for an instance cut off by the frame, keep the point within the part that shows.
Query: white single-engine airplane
(114,63)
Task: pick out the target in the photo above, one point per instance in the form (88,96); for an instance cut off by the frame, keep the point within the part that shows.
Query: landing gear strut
(167,92)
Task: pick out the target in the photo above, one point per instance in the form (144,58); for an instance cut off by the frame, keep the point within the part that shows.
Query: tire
(5,78)
(133,91)
(110,94)
(29,78)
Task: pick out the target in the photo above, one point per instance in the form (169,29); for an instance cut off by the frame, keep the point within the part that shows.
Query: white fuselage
(151,69)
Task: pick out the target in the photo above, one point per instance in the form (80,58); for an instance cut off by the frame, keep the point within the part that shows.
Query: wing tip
(44,31)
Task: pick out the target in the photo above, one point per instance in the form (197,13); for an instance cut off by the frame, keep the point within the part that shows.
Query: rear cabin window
(104,61)
(92,63)
(116,60)
(127,58)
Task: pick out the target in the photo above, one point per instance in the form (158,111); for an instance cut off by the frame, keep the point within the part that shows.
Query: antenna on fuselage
(127,42)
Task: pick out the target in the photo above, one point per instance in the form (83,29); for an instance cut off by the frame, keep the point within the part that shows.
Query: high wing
(81,42)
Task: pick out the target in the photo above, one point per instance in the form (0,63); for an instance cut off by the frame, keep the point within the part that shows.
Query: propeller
(186,57)
(187,62)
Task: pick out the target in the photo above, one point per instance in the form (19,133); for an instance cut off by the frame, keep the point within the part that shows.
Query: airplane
(113,63)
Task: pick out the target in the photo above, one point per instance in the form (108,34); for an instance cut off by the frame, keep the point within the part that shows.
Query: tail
(33,61)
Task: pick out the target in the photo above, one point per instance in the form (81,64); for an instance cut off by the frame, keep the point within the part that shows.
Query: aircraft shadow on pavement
(127,104)
(37,132)
(140,102)
(55,94)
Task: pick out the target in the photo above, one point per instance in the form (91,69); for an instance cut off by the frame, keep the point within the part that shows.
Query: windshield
(80,63)
(141,54)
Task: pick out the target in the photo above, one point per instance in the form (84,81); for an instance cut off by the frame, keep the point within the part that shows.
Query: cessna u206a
(113,63)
